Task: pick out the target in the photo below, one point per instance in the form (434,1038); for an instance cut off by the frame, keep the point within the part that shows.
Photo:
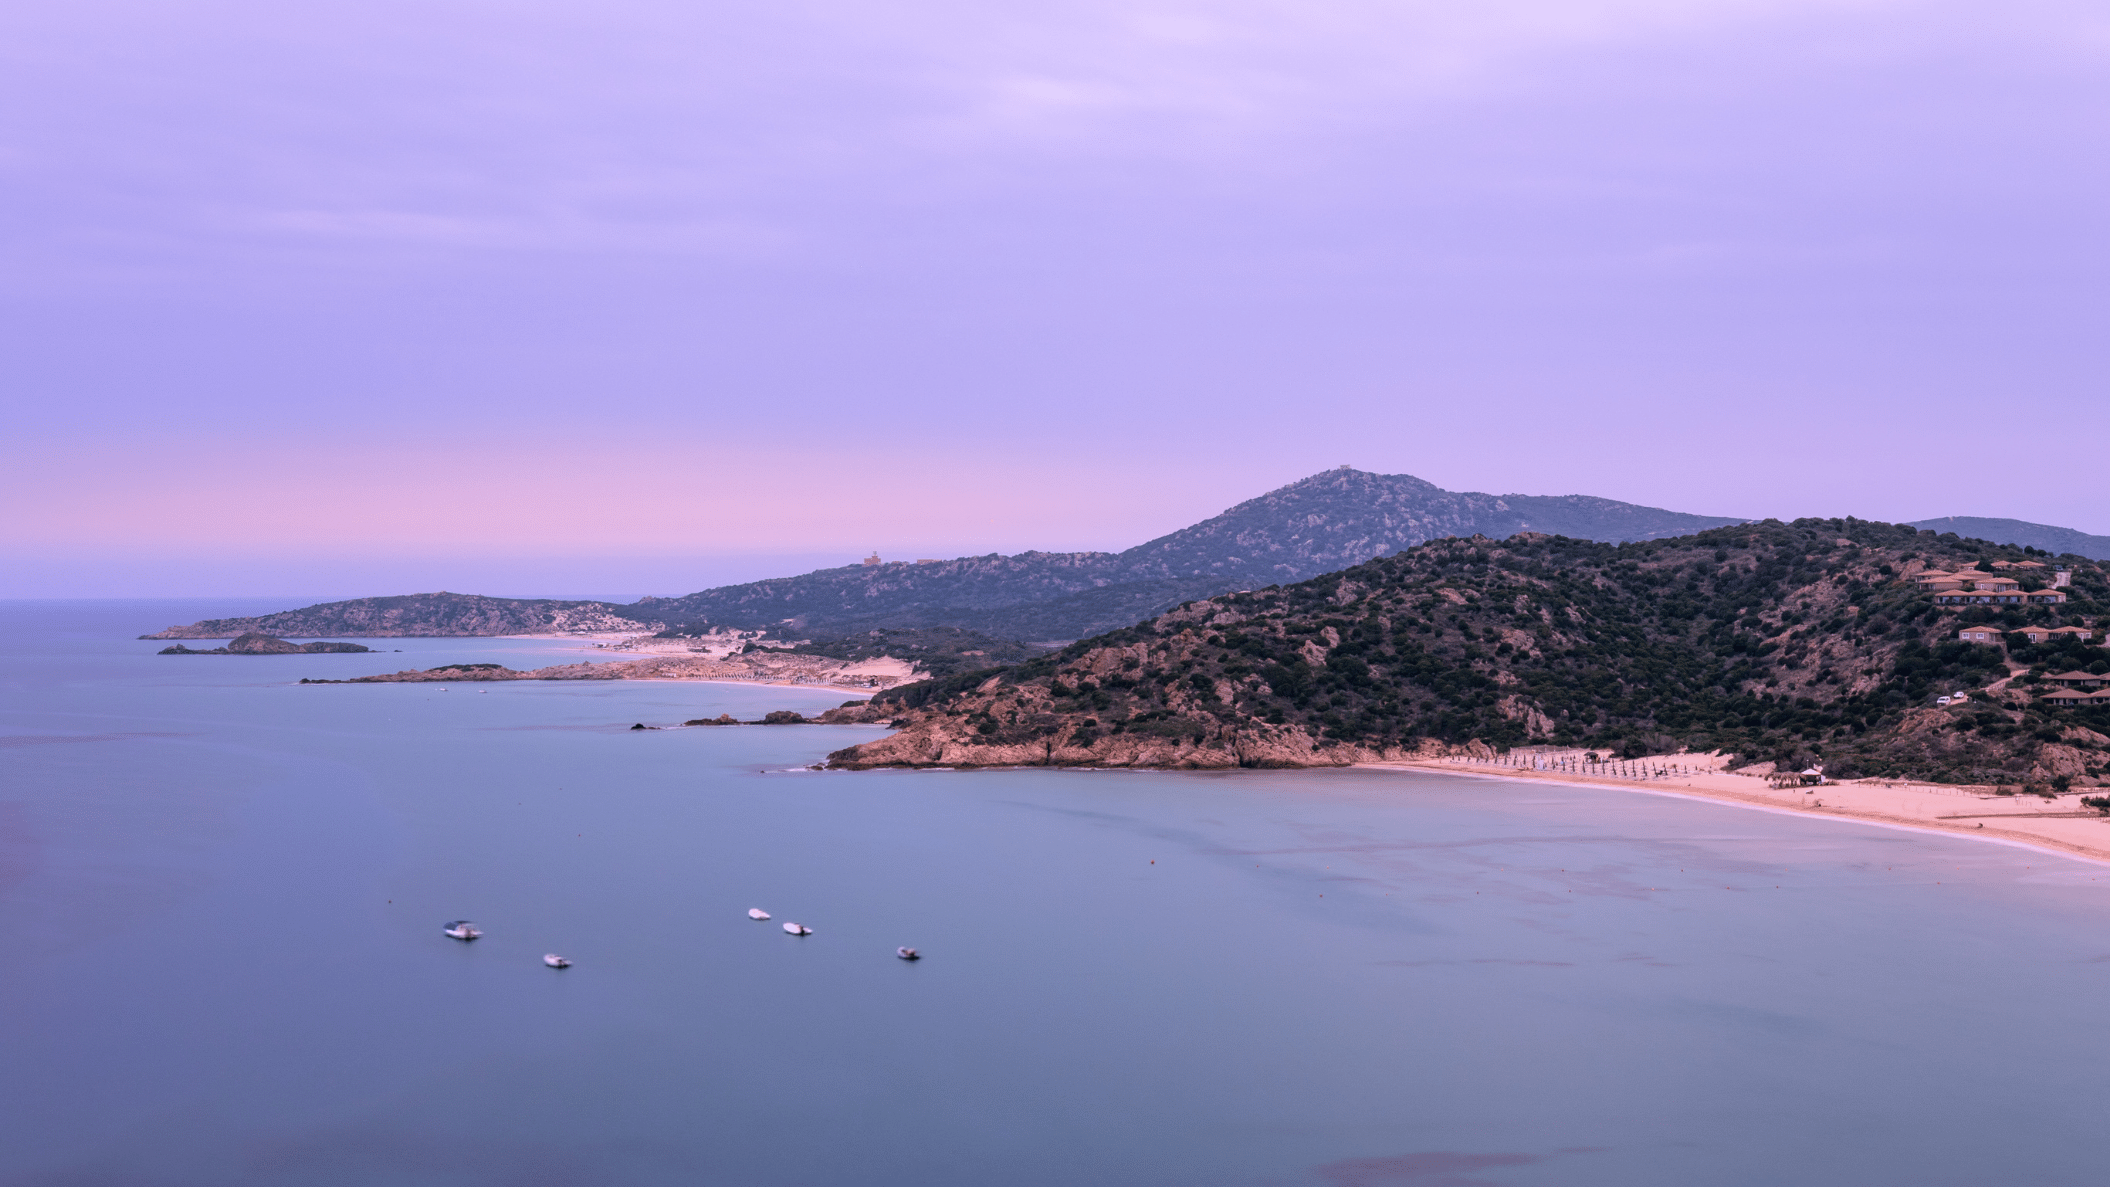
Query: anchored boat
(461,929)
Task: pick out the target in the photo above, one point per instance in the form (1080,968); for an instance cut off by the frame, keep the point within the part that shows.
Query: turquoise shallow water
(220,899)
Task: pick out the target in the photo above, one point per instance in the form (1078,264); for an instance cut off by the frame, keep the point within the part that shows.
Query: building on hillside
(2018,564)
(1973,583)
(1930,576)
(1981,634)
(873,559)
(2044,597)
(2079,679)
(1977,597)
(2067,696)
(928,560)
(2039,634)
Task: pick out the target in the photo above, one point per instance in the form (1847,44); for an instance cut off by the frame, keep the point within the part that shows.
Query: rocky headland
(256,643)
(1796,644)
(760,667)
(433,615)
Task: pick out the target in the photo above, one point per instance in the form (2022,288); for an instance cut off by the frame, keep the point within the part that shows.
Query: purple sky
(619,298)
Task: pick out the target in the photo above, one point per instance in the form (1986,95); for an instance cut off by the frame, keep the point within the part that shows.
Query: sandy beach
(2060,825)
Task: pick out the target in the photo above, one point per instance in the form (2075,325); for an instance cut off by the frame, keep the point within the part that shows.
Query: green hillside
(1788,642)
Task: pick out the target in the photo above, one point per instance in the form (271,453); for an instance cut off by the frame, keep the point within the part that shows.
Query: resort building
(1981,634)
(1991,591)
(1972,597)
(2078,679)
(2072,696)
(2038,634)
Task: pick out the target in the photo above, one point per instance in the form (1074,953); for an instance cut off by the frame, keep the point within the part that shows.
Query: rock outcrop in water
(763,667)
(256,643)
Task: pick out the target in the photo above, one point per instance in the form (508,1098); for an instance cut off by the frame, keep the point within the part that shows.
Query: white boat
(798,929)
(757,914)
(555,961)
(461,929)
(908,954)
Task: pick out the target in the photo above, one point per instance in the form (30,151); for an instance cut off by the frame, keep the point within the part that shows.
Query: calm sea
(221,895)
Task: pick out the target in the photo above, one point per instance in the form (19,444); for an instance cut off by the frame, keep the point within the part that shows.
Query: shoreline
(2079,837)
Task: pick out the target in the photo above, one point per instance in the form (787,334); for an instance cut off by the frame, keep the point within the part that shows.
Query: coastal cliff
(1789,643)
